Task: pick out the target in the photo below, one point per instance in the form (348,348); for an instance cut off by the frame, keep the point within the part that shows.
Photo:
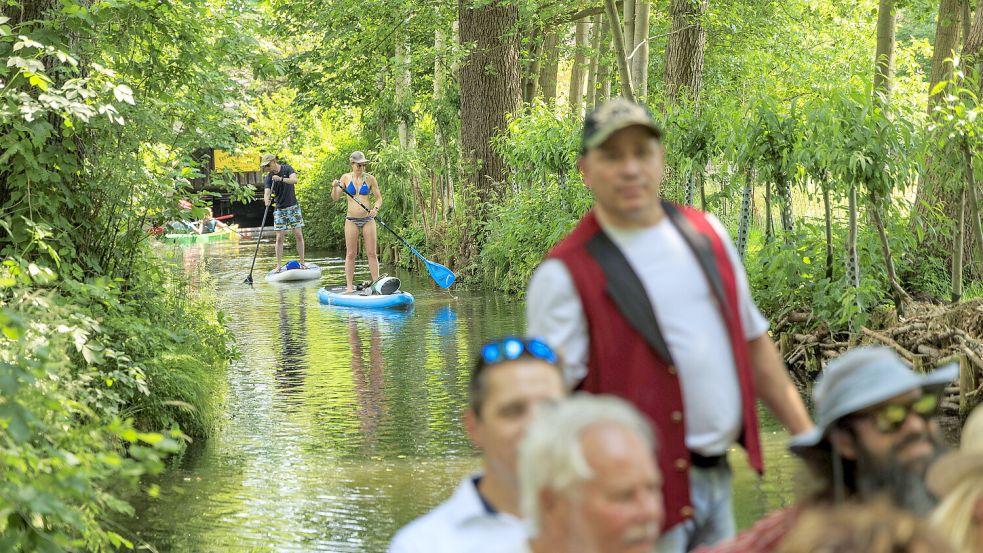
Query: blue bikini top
(362,191)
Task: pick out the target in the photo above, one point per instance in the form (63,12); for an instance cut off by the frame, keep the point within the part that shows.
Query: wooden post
(918,363)
(966,385)
(814,359)
(783,345)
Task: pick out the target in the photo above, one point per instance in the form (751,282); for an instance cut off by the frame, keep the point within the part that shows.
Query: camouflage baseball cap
(610,117)
(265,160)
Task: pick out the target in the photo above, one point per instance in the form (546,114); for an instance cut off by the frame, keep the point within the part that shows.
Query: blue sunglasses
(512,348)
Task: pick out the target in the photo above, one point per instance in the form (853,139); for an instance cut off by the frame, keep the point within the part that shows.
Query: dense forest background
(839,141)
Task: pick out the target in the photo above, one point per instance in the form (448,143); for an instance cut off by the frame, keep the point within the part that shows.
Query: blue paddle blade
(443,276)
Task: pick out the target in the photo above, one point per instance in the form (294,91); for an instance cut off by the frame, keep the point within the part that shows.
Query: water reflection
(367,376)
(344,424)
(291,362)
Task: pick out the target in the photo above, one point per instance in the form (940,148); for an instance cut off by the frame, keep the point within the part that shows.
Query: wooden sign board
(237,163)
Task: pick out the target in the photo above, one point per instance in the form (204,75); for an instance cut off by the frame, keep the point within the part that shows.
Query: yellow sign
(241,163)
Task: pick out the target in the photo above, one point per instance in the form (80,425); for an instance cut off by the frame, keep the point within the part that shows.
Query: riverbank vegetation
(108,361)
(839,141)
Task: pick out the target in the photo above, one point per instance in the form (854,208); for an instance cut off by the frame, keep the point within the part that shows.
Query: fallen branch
(910,357)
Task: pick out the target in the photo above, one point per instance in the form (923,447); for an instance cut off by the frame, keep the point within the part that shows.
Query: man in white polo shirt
(511,378)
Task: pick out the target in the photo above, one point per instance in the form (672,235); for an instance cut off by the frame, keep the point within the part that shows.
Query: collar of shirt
(467,503)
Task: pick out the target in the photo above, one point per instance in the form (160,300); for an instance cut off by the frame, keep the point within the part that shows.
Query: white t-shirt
(688,317)
(462,524)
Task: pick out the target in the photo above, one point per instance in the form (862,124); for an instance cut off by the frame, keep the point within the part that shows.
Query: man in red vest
(649,301)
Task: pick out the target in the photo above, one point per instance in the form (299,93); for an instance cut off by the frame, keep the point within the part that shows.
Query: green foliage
(545,200)
(324,218)
(540,148)
(523,228)
(90,400)
(786,276)
(107,363)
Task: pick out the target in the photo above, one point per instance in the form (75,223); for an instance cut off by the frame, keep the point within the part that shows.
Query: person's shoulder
(418,534)
(289,168)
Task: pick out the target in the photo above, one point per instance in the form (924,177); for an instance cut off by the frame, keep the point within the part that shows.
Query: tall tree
(685,49)
(640,50)
(532,63)
(576,95)
(603,92)
(550,66)
(490,87)
(404,94)
(886,42)
(597,32)
(619,49)
(946,44)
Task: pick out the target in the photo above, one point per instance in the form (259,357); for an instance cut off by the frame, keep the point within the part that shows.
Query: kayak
(195,238)
(337,296)
(288,275)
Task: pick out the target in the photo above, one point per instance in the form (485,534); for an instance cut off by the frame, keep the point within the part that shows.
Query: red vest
(623,363)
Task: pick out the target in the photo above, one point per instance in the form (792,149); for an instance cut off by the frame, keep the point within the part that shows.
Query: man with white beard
(588,481)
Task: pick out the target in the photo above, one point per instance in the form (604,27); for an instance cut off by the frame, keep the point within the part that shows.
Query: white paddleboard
(288,275)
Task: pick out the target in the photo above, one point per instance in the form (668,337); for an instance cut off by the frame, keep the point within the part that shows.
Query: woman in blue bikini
(359,184)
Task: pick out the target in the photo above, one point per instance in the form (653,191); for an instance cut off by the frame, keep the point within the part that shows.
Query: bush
(97,385)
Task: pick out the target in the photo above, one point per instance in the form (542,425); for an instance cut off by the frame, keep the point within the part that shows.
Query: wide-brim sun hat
(357,157)
(859,379)
(953,467)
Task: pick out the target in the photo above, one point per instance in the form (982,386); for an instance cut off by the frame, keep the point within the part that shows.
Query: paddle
(262,223)
(443,276)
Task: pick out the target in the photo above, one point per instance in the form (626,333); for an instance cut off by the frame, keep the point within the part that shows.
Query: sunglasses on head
(512,348)
(891,417)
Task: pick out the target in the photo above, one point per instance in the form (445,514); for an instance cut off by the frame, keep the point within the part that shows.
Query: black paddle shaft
(249,279)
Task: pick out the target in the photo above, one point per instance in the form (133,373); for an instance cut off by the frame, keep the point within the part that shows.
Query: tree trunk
(828,215)
(892,279)
(441,119)
(603,93)
(619,50)
(629,27)
(535,63)
(532,63)
(597,32)
(974,206)
(946,46)
(685,50)
(769,223)
(974,41)
(576,95)
(957,250)
(404,95)
(785,197)
(884,60)
(933,189)
(490,82)
(550,66)
(640,56)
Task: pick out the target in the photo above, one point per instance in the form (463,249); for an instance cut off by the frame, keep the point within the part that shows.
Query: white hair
(551,455)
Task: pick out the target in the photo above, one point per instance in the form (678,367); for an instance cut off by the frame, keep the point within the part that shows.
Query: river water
(341,425)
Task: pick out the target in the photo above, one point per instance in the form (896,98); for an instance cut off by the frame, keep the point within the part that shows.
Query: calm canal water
(341,425)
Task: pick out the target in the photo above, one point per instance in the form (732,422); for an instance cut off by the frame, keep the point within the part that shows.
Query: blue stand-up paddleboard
(384,292)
